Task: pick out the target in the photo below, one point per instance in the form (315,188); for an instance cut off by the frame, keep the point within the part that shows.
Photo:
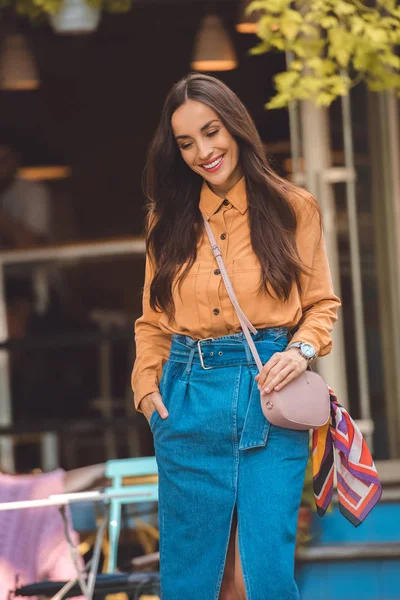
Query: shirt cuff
(143,385)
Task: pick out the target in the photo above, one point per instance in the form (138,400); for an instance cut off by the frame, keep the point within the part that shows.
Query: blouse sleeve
(319,303)
(152,346)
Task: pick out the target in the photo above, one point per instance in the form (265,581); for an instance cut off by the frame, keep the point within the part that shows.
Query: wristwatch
(306,350)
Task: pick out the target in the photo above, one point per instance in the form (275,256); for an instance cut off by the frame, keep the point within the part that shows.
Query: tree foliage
(35,9)
(332,46)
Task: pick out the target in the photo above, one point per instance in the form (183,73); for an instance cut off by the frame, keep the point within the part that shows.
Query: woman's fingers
(273,362)
(292,375)
(159,405)
(282,368)
(153,402)
(283,377)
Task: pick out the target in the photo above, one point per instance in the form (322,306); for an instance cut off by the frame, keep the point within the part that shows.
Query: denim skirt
(216,452)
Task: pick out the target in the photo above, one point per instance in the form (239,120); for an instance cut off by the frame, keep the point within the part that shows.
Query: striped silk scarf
(339,445)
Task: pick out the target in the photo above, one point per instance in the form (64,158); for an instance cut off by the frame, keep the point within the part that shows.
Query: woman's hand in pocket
(153,402)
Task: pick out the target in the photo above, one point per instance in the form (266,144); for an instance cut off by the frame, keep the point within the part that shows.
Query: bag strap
(244,322)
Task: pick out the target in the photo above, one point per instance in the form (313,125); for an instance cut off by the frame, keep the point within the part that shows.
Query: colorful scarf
(339,446)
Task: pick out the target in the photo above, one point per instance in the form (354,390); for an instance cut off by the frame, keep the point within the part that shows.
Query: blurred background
(77,112)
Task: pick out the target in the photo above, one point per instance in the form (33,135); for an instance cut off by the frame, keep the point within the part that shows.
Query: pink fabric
(32,541)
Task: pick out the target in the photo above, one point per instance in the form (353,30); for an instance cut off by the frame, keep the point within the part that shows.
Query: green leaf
(357,25)
(279,44)
(388,58)
(309,30)
(343,8)
(260,48)
(321,66)
(310,84)
(313,16)
(376,34)
(270,6)
(371,17)
(289,29)
(265,25)
(307,48)
(388,22)
(338,85)
(362,60)
(328,22)
(299,49)
(292,15)
(284,81)
(296,65)
(341,46)
(278,101)
(389,5)
(324,99)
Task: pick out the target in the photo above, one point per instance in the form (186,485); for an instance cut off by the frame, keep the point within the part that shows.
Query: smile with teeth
(214,164)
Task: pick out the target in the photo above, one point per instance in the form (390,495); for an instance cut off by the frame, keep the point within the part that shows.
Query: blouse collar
(211,202)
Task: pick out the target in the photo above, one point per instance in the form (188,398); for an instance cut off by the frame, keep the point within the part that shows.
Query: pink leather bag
(304,403)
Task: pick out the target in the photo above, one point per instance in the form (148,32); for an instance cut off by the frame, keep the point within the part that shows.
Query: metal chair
(139,475)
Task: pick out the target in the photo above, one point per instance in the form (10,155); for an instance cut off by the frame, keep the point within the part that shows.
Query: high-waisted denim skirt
(216,452)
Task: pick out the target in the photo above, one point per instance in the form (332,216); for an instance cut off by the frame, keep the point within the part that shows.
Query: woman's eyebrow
(206,126)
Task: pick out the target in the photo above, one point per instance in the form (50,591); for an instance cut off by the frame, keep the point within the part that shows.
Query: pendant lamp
(18,69)
(75,17)
(213,48)
(247,23)
(44,173)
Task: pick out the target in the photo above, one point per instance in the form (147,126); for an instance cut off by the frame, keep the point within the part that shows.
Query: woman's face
(206,145)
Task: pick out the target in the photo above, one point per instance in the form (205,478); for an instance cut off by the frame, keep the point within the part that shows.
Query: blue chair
(116,470)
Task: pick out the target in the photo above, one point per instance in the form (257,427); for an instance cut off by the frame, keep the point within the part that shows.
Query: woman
(230,483)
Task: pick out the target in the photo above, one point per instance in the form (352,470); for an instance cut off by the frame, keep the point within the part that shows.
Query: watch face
(308,350)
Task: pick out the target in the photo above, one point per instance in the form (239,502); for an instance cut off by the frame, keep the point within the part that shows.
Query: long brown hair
(174,225)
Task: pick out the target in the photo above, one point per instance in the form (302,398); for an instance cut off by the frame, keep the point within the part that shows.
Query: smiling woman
(206,145)
(223,468)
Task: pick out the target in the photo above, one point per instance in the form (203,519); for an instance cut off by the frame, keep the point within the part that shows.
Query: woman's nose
(205,153)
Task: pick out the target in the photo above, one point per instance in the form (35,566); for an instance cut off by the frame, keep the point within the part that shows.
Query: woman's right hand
(152,402)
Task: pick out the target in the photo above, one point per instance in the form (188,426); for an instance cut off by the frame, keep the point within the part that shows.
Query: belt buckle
(210,339)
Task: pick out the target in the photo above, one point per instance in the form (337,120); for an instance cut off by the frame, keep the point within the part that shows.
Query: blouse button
(226,203)
(223,236)
(216,311)
(217,272)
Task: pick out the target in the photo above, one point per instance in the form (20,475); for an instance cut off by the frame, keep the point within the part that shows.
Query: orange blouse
(203,308)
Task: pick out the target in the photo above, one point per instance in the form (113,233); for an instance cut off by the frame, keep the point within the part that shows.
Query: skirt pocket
(155,415)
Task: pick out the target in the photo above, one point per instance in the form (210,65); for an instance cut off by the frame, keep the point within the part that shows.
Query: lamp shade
(18,69)
(213,48)
(75,17)
(43,173)
(247,23)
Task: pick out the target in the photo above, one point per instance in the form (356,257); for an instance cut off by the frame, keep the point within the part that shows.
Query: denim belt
(226,351)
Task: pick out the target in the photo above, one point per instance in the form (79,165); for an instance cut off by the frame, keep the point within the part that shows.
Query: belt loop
(190,360)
